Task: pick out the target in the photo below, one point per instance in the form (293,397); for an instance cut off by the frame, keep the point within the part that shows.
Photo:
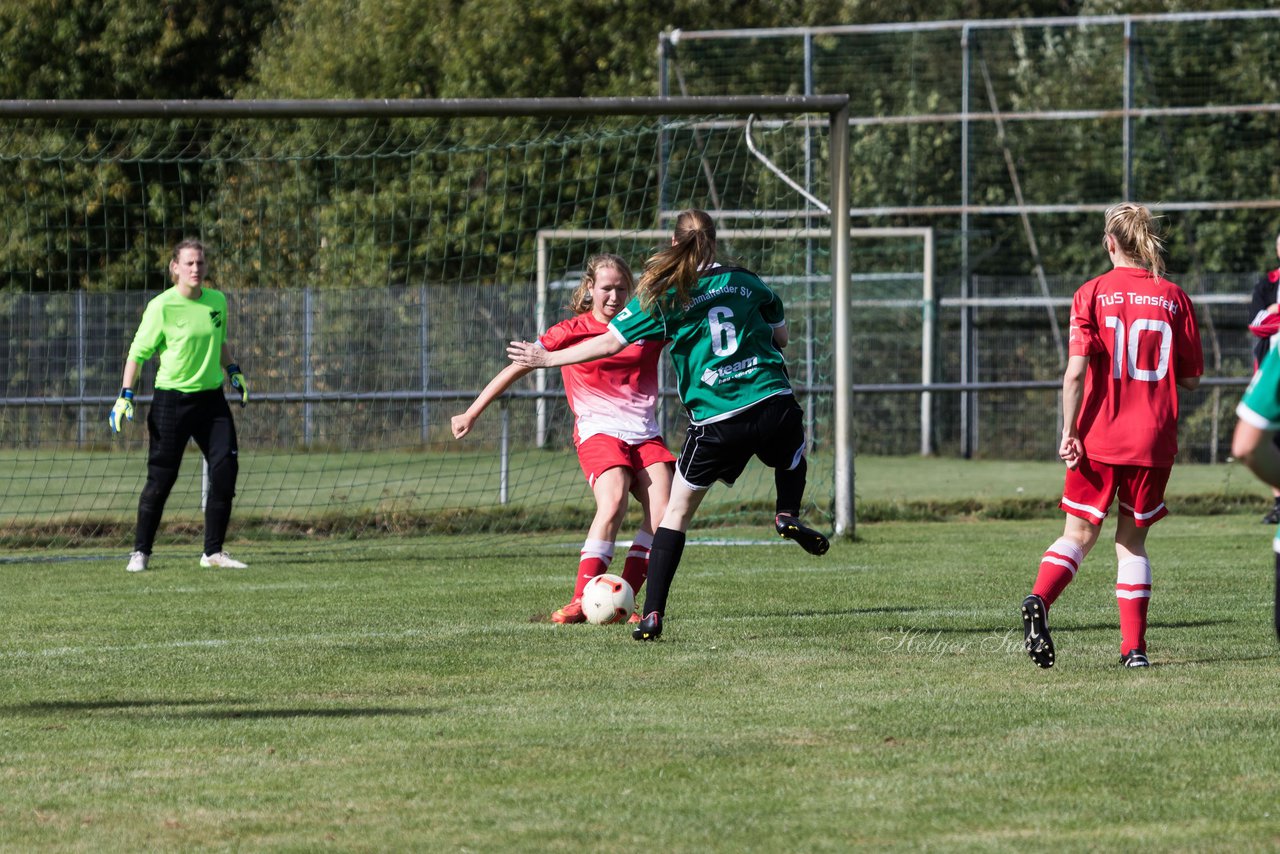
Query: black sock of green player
(664,559)
(790,488)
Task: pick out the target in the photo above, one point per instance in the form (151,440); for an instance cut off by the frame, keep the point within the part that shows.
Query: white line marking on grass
(824,569)
(208,643)
(777,542)
(57,558)
(237,588)
(623,545)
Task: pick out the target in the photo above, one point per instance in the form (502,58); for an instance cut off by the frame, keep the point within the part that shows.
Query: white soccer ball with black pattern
(607,599)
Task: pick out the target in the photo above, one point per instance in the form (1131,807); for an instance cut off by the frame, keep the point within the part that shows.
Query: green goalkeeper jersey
(188,335)
(721,342)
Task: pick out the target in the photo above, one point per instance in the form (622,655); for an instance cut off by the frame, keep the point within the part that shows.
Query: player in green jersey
(1254,443)
(726,329)
(186,326)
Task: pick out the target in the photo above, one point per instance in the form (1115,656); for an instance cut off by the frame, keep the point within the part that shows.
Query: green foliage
(129,49)
(68,223)
(81,235)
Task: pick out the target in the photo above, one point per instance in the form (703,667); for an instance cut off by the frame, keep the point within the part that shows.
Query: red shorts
(1091,486)
(600,452)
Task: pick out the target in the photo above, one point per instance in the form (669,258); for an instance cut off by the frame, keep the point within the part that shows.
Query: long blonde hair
(1133,228)
(581,300)
(679,265)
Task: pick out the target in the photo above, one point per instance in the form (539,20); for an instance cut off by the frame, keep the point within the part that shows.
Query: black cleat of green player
(810,540)
(649,628)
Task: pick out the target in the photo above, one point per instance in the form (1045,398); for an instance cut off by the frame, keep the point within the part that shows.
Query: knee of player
(224,471)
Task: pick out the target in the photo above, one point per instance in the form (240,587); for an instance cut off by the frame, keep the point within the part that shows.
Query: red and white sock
(1058,566)
(1133,595)
(596,557)
(636,569)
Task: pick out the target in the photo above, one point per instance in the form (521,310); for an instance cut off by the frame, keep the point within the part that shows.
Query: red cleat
(634,618)
(571,613)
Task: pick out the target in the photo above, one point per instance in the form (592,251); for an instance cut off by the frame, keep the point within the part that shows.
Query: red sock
(1057,567)
(596,557)
(636,569)
(1133,595)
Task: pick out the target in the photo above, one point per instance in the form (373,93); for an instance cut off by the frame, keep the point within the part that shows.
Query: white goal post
(842,303)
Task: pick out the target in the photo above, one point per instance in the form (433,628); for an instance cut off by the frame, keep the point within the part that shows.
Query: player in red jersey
(1134,342)
(615,427)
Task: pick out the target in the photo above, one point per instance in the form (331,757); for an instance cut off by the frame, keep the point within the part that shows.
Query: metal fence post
(966,313)
(308,370)
(504,455)
(1127,98)
(81,413)
(424,363)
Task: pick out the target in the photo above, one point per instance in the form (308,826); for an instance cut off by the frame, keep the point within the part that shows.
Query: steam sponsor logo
(743,368)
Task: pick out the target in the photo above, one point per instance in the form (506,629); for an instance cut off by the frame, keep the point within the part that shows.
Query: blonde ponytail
(1133,228)
(679,265)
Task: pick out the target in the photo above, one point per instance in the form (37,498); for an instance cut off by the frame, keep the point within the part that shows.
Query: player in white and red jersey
(1134,343)
(615,428)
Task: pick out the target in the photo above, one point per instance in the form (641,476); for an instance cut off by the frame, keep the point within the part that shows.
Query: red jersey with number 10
(617,395)
(1141,337)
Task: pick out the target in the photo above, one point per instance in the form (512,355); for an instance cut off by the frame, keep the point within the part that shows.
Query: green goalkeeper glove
(238,383)
(122,410)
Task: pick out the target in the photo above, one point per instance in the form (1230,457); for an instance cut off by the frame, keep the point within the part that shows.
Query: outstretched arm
(504,379)
(534,356)
(1255,447)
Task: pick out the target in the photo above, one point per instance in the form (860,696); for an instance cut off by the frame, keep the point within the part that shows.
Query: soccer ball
(607,599)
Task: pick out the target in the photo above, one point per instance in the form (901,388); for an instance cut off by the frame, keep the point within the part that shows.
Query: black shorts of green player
(771,430)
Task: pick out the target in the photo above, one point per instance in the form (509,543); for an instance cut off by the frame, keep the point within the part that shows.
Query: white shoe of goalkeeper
(137,561)
(223,560)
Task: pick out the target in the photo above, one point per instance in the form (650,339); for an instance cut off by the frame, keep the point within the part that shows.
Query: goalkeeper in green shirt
(726,329)
(186,326)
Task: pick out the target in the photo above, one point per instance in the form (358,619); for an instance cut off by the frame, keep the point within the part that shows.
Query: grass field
(409,694)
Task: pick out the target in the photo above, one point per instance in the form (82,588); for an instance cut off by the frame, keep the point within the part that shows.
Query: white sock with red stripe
(636,569)
(1133,595)
(596,557)
(1058,566)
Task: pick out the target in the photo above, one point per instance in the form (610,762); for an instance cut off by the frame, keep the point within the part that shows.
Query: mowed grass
(409,694)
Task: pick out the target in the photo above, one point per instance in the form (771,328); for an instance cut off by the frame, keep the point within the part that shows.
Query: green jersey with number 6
(721,342)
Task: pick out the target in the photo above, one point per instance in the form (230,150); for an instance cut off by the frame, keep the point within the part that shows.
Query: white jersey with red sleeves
(1141,337)
(617,395)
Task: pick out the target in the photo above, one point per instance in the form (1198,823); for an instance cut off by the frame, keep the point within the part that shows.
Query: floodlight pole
(842,327)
